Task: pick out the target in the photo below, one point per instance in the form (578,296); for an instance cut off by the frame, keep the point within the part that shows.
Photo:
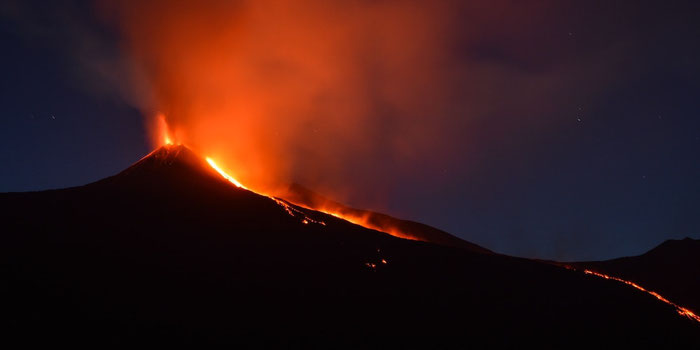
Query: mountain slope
(672,269)
(300,195)
(169,252)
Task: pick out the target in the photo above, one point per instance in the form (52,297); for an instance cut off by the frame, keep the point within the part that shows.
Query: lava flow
(224,174)
(362,220)
(165,138)
(355,219)
(288,208)
(681,310)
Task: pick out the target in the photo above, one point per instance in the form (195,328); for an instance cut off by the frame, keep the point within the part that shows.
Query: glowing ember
(681,310)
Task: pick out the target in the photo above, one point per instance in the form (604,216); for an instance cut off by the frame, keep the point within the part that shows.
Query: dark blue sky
(56,130)
(608,172)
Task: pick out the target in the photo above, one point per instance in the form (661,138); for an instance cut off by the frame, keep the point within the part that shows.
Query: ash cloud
(341,95)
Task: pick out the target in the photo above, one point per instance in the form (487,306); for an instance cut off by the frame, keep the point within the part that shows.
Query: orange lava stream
(355,219)
(224,174)
(165,137)
(361,220)
(681,310)
(288,208)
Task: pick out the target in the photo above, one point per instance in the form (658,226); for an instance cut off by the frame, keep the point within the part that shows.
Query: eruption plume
(343,96)
(284,91)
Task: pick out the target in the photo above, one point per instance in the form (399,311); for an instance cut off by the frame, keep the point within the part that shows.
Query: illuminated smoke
(337,95)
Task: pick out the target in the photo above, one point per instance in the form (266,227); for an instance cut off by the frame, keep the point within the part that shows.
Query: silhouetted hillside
(672,269)
(168,252)
(303,196)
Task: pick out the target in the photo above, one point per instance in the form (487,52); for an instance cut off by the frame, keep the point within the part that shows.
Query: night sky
(586,144)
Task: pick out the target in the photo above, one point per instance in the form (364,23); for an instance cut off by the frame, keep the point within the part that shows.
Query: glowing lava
(364,221)
(361,220)
(224,174)
(288,208)
(164,137)
(681,310)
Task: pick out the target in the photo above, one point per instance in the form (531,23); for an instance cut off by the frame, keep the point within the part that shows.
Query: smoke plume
(337,95)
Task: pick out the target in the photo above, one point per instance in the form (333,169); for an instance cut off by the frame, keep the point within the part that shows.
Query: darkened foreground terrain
(672,269)
(169,252)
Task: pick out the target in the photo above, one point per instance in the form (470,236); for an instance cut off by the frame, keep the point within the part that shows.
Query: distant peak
(675,246)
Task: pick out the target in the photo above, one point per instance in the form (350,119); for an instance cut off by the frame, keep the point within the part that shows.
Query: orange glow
(277,106)
(361,220)
(224,174)
(288,208)
(262,92)
(328,208)
(163,131)
(681,310)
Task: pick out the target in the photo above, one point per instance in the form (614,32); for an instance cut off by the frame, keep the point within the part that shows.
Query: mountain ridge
(671,268)
(168,254)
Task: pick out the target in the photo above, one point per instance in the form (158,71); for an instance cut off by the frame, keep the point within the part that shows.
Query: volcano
(170,252)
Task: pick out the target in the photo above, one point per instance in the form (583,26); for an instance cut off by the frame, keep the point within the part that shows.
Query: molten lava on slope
(170,251)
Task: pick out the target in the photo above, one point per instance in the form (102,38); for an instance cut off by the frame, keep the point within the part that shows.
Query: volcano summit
(169,251)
